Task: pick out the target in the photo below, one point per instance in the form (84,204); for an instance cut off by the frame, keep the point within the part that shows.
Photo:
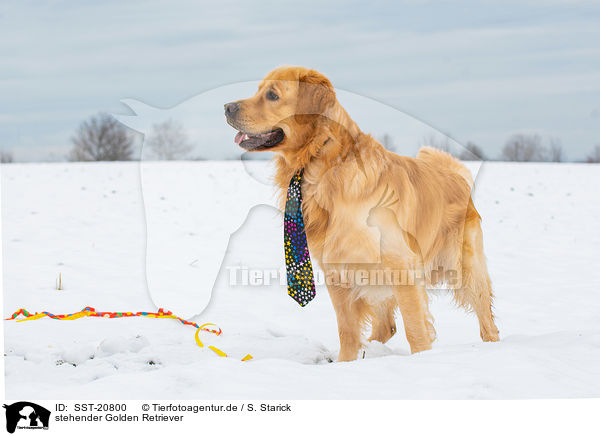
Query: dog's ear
(315,93)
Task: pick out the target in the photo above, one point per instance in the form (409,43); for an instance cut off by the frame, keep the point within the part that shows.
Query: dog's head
(284,111)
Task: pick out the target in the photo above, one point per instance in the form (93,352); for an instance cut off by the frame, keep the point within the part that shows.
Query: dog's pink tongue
(238,138)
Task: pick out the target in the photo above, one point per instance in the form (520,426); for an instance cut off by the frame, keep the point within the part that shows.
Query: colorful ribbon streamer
(90,311)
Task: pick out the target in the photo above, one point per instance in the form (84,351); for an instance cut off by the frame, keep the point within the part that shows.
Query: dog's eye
(272,96)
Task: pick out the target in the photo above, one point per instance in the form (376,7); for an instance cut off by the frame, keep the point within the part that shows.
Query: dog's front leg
(349,315)
(414,306)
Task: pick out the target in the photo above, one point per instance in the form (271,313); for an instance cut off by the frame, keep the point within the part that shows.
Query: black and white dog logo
(26,415)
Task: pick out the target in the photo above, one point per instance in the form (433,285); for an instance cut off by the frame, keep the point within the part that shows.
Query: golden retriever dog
(384,228)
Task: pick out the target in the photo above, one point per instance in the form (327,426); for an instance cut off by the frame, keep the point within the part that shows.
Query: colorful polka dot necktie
(300,278)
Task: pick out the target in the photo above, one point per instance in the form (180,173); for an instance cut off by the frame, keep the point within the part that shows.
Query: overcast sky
(476,70)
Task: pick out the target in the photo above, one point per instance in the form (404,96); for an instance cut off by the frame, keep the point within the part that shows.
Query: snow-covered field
(88,222)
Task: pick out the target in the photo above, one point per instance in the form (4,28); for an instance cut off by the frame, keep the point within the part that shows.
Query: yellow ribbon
(215,349)
(31,318)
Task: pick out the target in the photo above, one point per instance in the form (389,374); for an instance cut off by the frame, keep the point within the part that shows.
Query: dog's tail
(438,157)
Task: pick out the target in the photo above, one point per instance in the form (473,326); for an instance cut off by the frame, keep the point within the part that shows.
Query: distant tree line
(529,148)
(518,148)
(103,138)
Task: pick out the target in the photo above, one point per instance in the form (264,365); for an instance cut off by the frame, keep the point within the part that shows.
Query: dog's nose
(231,108)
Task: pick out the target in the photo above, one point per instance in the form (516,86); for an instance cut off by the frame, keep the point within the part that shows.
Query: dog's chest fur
(346,221)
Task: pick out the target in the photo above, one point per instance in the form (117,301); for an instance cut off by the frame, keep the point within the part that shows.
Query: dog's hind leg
(383,322)
(476,290)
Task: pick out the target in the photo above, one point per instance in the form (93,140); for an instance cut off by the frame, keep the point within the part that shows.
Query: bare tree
(168,141)
(555,153)
(6,157)
(594,156)
(472,152)
(101,138)
(524,148)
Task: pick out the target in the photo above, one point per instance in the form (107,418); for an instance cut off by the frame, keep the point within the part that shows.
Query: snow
(88,222)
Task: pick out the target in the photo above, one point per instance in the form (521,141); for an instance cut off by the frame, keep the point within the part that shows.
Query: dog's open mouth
(259,142)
